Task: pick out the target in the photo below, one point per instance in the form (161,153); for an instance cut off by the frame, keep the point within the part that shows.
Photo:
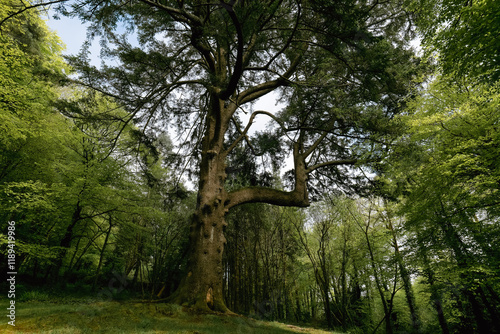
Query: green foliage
(30,66)
(447,176)
(34,295)
(463,34)
(456,128)
(30,188)
(72,176)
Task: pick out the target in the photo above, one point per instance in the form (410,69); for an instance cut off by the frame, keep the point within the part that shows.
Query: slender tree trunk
(438,306)
(405,275)
(344,313)
(435,295)
(66,240)
(298,309)
(236,270)
(101,257)
(77,248)
(387,311)
(257,293)
(325,287)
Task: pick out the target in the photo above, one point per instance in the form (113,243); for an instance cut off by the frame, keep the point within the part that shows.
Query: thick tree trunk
(202,287)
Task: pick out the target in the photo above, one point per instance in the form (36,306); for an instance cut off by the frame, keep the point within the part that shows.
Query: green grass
(81,316)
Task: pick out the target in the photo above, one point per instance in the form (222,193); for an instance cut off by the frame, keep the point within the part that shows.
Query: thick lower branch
(260,90)
(267,195)
(298,197)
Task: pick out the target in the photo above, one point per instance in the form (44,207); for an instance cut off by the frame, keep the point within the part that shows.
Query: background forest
(404,240)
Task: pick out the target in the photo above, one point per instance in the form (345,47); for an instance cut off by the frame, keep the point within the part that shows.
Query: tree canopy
(400,177)
(343,67)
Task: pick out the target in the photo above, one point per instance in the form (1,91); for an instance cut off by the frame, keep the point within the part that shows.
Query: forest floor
(76,316)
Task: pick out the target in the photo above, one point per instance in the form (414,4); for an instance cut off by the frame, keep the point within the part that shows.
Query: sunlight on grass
(132,317)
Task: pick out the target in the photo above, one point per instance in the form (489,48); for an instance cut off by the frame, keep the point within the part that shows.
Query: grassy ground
(78,316)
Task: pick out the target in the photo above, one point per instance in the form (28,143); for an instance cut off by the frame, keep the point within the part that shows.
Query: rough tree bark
(202,286)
